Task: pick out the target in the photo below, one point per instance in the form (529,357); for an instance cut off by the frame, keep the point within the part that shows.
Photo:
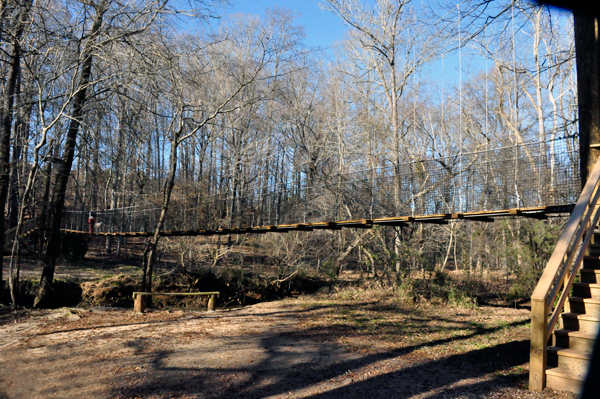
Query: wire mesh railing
(518,176)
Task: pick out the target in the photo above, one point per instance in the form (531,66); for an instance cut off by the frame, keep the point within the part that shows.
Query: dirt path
(307,348)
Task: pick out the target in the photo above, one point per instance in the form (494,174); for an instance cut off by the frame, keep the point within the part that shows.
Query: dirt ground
(346,345)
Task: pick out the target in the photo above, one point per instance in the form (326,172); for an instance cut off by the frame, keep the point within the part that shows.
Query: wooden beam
(393,221)
(303,227)
(276,229)
(359,224)
(432,221)
(435,219)
(479,218)
(325,226)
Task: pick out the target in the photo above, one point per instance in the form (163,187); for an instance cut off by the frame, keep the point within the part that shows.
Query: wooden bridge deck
(482,216)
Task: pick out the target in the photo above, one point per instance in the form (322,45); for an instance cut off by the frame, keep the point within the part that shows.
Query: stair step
(575,340)
(571,353)
(557,371)
(586,290)
(584,305)
(569,360)
(596,244)
(581,322)
(591,261)
(562,380)
(590,276)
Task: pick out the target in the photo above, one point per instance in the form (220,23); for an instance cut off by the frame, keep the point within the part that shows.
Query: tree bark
(588,90)
(64,169)
(14,70)
(150,253)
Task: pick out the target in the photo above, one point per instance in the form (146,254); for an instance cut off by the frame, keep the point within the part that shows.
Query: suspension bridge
(518,180)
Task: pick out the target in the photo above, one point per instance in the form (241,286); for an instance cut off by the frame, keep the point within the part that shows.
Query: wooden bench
(139,304)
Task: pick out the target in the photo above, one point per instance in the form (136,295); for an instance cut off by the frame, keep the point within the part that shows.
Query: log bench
(139,303)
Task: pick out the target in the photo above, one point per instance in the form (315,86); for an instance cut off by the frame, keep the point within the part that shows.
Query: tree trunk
(588,89)
(64,169)
(153,243)
(14,67)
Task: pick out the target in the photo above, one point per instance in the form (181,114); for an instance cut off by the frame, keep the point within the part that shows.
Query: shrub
(74,247)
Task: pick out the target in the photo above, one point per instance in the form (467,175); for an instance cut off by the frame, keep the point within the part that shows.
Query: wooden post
(537,352)
(211,304)
(139,303)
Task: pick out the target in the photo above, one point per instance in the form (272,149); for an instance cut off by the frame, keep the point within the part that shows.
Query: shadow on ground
(295,364)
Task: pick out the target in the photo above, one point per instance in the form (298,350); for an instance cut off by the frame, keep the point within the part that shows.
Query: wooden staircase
(29,227)
(573,343)
(565,313)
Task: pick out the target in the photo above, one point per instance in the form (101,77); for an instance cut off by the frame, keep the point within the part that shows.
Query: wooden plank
(359,224)
(434,216)
(539,214)
(393,221)
(177,293)
(501,212)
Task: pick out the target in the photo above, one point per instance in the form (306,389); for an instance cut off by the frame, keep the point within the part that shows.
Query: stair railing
(551,292)
(10,232)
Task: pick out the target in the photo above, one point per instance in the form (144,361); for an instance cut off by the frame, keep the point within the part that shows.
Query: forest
(160,108)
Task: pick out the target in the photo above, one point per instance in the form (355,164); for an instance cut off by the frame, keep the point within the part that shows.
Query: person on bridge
(92,222)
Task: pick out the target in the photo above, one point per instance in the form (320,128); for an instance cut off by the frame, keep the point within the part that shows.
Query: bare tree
(389,44)
(196,102)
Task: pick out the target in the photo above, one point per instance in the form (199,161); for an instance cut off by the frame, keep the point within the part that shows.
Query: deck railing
(550,295)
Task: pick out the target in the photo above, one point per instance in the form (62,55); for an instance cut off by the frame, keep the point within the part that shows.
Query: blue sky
(322,28)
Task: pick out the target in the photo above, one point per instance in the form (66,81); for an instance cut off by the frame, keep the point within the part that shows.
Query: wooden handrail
(559,275)
(26,223)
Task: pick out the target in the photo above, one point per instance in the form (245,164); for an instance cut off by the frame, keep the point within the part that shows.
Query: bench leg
(211,303)
(139,303)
